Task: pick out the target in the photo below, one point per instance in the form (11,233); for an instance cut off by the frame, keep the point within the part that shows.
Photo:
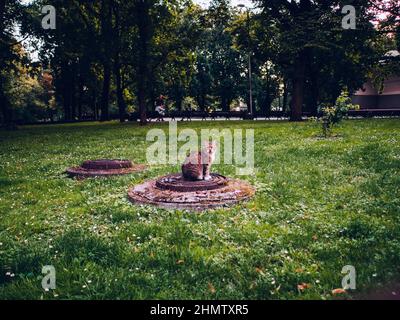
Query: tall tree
(252,36)
(121,24)
(308,31)
(176,44)
(107,45)
(145,35)
(224,59)
(10,13)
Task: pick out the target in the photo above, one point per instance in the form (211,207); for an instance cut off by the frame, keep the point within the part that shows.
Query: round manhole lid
(175,182)
(235,191)
(106,164)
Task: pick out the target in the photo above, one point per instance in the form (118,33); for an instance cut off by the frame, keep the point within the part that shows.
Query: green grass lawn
(320,204)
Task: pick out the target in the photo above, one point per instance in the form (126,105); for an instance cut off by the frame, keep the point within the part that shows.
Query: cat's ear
(208,143)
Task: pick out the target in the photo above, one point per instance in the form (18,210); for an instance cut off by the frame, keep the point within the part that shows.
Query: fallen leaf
(211,288)
(260,271)
(303,286)
(338,291)
(299,270)
(180,261)
(315,238)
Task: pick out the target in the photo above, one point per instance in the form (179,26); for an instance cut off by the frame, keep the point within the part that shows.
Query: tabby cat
(197,164)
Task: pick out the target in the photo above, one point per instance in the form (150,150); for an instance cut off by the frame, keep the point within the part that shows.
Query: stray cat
(197,164)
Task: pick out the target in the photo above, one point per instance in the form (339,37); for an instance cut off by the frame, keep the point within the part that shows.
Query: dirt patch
(389,292)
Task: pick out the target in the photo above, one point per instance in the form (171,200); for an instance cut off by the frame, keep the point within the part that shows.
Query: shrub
(332,115)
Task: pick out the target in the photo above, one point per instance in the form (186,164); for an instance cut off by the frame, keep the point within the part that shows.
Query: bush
(332,115)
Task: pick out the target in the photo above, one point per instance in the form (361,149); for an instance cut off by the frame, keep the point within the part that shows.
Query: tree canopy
(109,58)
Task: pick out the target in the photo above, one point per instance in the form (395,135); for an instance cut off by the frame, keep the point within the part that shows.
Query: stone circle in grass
(104,168)
(174,192)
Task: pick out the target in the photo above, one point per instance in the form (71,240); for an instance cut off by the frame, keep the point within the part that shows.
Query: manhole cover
(228,192)
(104,167)
(105,164)
(175,182)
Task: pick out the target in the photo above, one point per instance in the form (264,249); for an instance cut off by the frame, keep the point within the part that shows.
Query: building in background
(370,98)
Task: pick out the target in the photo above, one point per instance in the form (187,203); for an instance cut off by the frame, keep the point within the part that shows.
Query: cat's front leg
(207,176)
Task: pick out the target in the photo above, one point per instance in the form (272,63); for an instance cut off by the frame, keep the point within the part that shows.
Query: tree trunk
(267,101)
(94,106)
(143,22)
(142,95)
(72,93)
(80,96)
(285,95)
(142,104)
(224,104)
(105,96)
(153,94)
(298,89)
(106,30)
(5,108)
(117,65)
(314,95)
(66,103)
(178,101)
(66,91)
(202,102)
(120,95)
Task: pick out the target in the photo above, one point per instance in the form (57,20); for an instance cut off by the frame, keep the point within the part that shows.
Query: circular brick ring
(106,164)
(234,191)
(104,168)
(175,182)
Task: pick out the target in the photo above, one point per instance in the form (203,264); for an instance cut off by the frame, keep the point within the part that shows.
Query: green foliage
(189,103)
(110,57)
(332,115)
(31,99)
(220,65)
(311,50)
